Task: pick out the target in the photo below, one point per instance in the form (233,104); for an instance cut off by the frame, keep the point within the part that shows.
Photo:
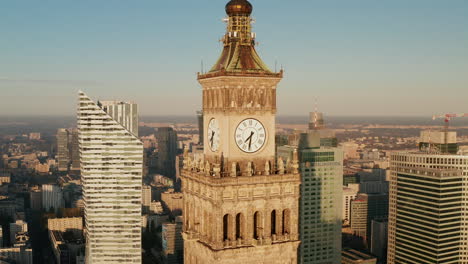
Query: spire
(239,55)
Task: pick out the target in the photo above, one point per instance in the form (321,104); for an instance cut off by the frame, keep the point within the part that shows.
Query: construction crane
(447,118)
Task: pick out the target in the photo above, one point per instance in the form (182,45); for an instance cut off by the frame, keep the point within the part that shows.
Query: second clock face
(250,135)
(213,135)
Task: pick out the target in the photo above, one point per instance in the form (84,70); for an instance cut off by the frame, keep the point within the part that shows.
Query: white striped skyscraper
(111,168)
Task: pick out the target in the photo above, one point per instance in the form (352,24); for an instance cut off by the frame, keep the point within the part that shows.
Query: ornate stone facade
(240,206)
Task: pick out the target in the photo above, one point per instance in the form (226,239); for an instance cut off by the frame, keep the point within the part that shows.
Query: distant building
(63,149)
(200,127)
(146,198)
(35,199)
(348,195)
(17,227)
(74,150)
(364,209)
(167,151)
(34,136)
(352,256)
(173,201)
(66,246)
(111,171)
(42,168)
(378,245)
(5,178)
(52,197)
(21,255)
(172,242)
(1,237)
(74,224)
(321,170)
(350,150)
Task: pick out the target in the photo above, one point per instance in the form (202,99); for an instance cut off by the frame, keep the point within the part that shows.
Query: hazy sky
(366,57)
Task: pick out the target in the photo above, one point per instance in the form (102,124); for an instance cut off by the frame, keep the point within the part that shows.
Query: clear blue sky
(366,57)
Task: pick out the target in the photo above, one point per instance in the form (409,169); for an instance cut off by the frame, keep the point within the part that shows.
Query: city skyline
(385,54)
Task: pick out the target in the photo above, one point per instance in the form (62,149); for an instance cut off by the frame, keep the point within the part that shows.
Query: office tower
(63,154)
(427,216)
(365,208)
(111,170)
(52,197)
(349,194)
(146,198)
(172,242)
(321,170)
(379,238)
(167,151)
(74,150)
(200,127)
(240,203)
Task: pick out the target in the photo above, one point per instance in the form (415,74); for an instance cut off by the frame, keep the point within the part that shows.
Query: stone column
(232,227)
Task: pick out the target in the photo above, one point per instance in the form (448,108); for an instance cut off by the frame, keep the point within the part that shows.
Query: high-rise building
(321,170)
(365,208)
(428,205)
(146,198)
(111,170)
(74,150)
(241,205)
(63,154)
(172,242)
(167,151)
(349,194)
(52,197)
(379,238)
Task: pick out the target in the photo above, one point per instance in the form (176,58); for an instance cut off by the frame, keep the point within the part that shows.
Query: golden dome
(239,7)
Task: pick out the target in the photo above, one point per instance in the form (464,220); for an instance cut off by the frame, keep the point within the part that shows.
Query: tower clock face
(213,135)
(250,135)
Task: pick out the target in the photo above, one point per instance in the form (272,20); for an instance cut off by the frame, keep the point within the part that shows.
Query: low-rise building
(74,224)
(173,201)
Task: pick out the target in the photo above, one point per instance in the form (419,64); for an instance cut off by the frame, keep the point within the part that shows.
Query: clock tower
(240,202)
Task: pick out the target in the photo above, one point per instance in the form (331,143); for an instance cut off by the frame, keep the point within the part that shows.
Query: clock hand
(250,139)
(212,137)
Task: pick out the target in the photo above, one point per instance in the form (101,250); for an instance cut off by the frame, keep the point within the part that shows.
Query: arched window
(257,219)
(239,226)
(286,221)
(273,222)
(226,227)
